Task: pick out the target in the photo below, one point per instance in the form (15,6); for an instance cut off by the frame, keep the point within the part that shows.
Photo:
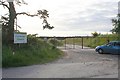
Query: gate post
(65,42)
(82,42)
(73,44)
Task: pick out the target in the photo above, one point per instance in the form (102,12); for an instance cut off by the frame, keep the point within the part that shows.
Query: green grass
(55,42)
(37,52)
(92,42)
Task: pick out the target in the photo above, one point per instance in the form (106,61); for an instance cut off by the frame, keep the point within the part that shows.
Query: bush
(35,51)
(55,42)
(95,41)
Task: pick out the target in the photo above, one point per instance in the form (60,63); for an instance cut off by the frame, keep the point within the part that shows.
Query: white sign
(20,38)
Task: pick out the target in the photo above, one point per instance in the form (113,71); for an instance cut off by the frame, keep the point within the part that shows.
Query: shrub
(36,51)
(55,42)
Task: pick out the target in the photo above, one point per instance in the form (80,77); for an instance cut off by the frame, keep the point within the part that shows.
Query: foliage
(93,41)
(116,24)
(42,14)
(95,34)
(36,51)
(9,22)
(55,42)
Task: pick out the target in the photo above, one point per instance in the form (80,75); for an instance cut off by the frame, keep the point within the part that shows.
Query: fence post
(82,42)
(73,44)
(65,42)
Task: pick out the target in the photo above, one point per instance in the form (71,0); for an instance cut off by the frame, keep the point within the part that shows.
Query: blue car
(112,47)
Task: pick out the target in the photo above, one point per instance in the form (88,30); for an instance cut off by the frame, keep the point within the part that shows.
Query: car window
(110,44)
(113,44)
(117,44)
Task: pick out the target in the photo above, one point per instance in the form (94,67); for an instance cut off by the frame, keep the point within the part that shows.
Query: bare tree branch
(5,5)
(24,13)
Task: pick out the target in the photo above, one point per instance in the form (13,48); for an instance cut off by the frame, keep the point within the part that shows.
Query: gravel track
(76,63)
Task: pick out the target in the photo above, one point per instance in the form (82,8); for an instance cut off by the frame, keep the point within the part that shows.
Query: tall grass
(35,52)
(93,42)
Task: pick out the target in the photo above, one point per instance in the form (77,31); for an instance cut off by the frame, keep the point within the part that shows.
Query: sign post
(20,37)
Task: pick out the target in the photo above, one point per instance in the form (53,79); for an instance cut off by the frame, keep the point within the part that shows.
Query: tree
(116,24)
(95,34)
(8,22)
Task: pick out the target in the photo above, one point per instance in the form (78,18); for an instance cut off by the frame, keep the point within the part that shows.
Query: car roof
(115,41)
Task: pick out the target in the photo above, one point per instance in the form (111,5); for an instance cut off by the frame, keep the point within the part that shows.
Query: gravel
(76,63)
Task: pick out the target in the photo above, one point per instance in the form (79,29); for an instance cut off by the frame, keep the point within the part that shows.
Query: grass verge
(37,52)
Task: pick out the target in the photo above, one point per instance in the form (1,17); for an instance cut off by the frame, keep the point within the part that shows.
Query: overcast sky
(69,17)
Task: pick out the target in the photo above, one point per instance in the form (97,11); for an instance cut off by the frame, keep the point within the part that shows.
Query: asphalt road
(76,63)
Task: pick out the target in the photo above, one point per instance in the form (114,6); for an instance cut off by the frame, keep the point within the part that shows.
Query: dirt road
(76,63)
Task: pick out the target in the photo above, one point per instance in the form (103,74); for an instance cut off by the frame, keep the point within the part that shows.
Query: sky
(69,17)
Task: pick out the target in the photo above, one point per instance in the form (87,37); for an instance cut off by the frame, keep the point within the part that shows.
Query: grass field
(92,42)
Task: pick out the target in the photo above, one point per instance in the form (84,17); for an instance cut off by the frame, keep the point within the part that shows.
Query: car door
(113,48)
(110,48)
(117,47)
